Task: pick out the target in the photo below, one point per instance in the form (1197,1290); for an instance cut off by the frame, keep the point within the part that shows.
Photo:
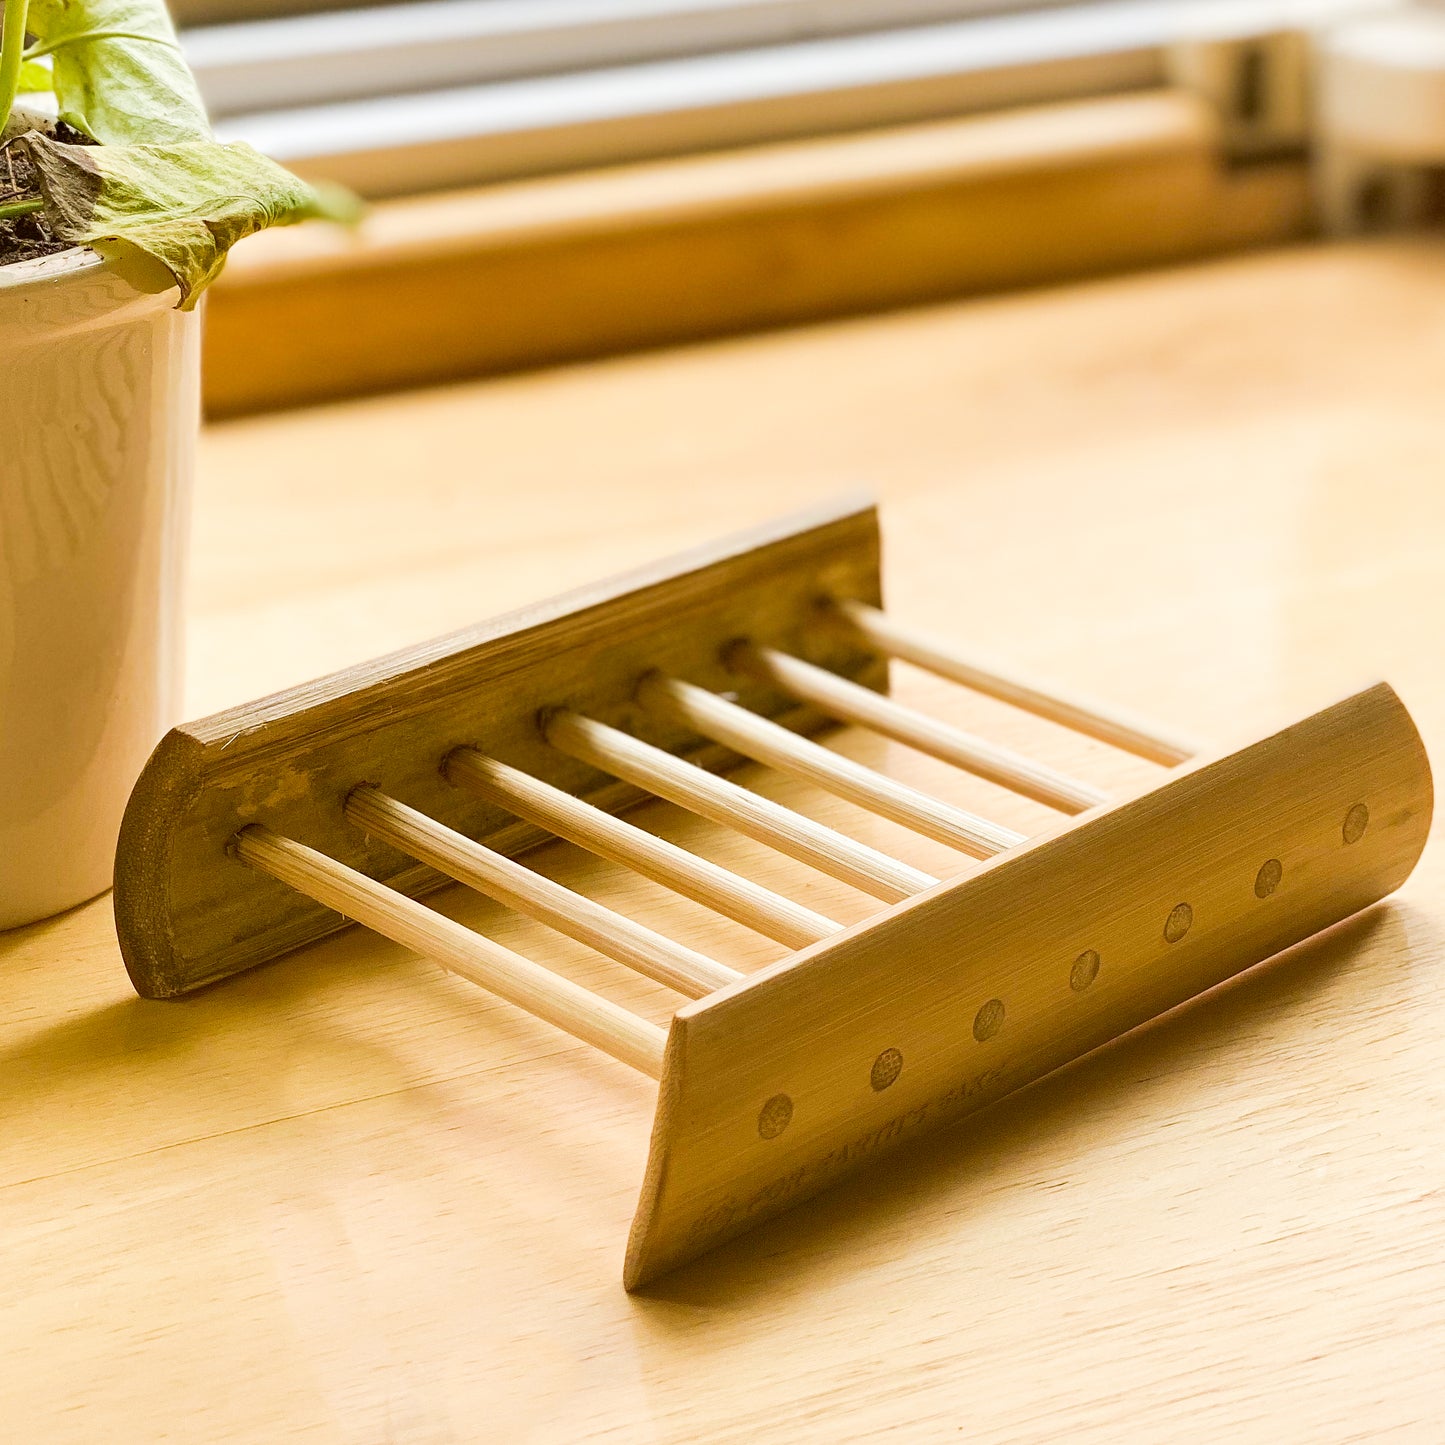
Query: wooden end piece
(188,914)
(802,1073)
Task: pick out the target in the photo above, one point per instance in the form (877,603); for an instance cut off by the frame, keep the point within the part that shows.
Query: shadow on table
(800,1248)
(90,1074)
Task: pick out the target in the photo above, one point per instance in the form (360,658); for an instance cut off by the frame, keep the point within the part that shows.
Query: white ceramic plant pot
(99,409)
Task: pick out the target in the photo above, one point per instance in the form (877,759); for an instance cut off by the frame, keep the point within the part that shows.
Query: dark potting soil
(22,238)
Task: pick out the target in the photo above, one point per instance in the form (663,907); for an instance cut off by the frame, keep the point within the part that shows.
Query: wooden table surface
(346,1198)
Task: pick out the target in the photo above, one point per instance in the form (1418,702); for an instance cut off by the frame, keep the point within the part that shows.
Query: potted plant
(117,208)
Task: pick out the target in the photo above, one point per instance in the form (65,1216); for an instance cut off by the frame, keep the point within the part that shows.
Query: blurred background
(556,179)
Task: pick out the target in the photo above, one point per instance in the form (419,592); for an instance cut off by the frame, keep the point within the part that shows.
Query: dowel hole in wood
(988,1020)
(732,653)
(1268,877)
(775,1116)
(886,1069)
(1084,971)
(1356,821)
(1181,917)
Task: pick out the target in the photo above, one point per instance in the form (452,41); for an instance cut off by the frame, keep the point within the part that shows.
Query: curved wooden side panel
(774,1088)
(187,914)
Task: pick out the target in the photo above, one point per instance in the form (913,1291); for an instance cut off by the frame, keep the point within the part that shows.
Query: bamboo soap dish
(260,829)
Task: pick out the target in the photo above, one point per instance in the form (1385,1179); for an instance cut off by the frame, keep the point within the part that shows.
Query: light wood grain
(592,1018)
(350,1198)
(723,801)
(621,842)
(1106,721)
(764,741)
(840,698)
(499,877)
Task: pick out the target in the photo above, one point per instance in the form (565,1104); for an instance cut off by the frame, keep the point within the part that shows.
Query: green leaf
(186,204)
(34,77)
(119,74)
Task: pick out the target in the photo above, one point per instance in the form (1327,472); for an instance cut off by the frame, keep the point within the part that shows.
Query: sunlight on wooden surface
(345,1198)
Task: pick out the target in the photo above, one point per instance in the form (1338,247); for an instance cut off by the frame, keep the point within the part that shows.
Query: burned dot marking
(775,1116)
(988,1020)
(1084,971)
(1267,879)
(886,1069)
(1356,821)
(1178,922)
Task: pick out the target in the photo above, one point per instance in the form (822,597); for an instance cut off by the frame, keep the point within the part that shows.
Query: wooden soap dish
(251,831)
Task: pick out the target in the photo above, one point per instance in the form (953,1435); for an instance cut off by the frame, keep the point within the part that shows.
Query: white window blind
(433,93)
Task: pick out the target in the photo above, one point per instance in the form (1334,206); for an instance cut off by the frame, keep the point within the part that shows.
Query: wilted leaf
(158,180)
(185,204)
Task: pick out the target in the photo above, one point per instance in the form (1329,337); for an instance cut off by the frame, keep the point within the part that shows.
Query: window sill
(545,271)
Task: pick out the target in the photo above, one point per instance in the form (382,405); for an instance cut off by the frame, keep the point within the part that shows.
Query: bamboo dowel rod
(713,797)
(586,1016)
(851,702)
(621,842)
(758,738)
(527,892)
(1110,724)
